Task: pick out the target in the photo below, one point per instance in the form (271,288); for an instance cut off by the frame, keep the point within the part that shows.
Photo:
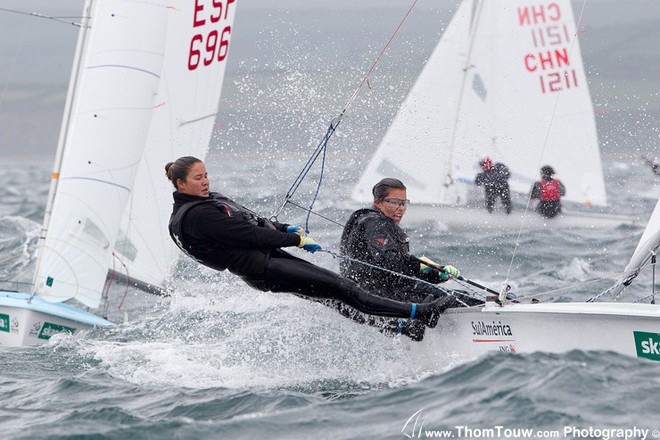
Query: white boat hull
(628,329)
(473,218)
(27,323)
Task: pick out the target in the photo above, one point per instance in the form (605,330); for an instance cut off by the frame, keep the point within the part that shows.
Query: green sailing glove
(449,272)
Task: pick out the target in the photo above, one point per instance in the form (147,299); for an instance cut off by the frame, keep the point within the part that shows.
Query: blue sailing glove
(449,272)
(295,230)
(309,244)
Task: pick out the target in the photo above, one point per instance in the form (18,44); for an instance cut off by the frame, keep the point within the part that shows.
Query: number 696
(207,50)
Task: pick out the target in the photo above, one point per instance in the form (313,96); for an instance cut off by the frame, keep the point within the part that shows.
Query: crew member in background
(495,179)
(373,236)
(549,192)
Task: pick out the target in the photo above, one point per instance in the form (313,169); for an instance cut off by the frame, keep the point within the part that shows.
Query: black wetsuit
(221,234)
(495,182)
(371,237)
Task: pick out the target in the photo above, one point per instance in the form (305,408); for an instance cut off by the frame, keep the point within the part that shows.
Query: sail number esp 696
(209,46)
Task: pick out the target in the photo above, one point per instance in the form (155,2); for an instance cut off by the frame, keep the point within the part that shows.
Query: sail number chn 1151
(211,42)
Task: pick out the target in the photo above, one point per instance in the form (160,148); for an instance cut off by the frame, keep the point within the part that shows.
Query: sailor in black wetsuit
(373,236)
(495,180)
(221,234)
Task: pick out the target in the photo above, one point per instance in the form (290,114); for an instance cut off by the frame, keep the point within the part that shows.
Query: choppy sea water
(219,360)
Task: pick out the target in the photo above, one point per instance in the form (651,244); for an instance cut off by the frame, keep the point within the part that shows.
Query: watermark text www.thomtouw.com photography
(417,427)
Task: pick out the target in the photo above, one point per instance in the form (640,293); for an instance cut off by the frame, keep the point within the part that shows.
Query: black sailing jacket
(369,236)
(221,234)
(495,179)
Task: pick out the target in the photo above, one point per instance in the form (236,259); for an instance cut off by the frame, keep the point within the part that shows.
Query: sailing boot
(429,312)
(414,329)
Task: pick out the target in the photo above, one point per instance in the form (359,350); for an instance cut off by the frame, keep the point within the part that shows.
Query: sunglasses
(397,202)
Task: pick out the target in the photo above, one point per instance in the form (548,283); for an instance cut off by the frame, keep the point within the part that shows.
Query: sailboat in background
(505,81)
(144,89)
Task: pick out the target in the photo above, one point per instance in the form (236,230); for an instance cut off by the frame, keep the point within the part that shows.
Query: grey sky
(620,48)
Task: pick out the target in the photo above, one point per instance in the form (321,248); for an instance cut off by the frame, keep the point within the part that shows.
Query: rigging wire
(365,80)
(64,20)
(128,278)
(401,275)
(653,284)
(309,211)
(10,258)
(544,147)
(322,146)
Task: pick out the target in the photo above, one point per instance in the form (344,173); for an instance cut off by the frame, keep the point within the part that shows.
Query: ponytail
(179,169)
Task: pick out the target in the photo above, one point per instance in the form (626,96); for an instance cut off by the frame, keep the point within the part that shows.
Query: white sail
(648,243)
(506,81)
(111,98)
(416,142)
(182,125)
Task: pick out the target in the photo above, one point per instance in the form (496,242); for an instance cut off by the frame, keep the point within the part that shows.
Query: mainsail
(182,125)
(145,91)
(110,101)
(506,81)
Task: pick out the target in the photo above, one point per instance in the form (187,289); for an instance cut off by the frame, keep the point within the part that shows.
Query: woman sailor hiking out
(379,259)
(221,234)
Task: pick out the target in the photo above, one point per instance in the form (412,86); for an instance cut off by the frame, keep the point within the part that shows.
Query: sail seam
(99,181)
(121,66)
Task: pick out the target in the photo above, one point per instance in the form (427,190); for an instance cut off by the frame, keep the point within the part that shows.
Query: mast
(477,8)
(64,132)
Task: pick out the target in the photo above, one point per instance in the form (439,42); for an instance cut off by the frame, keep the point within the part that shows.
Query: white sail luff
(476,7)
(648,243)
(64,131)
(105,135)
